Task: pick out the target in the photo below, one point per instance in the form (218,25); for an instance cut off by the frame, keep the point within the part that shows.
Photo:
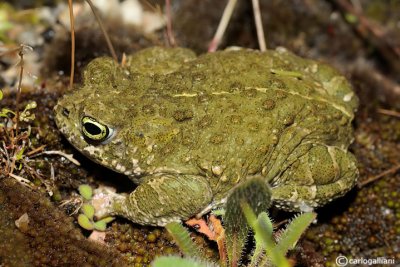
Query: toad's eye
(94,130)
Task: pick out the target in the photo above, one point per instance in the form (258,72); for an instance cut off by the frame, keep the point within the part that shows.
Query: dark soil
(363,224)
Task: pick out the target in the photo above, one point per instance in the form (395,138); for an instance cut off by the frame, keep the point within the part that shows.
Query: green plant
(86,218)
(257,194)
(189,249)
(182,239)
(15,132)
(18,134)
(245,210)
(270,251)
(178,261)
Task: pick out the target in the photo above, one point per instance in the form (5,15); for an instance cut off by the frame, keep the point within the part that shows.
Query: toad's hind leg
(161,199)
(317,177)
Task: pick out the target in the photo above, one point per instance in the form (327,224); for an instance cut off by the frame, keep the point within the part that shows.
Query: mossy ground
(364,223)
(51,238)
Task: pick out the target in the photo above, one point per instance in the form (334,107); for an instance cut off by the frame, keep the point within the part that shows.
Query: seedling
(86,219)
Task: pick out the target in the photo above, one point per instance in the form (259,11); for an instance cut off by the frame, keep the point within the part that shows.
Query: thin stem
(21,55)
(170,33)
(226,16)
(71,21)
(389,112)
(109,44)
(392,170)
(259,26)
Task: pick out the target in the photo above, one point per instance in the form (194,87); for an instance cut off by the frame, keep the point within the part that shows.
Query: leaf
(100,225)
(176,261)
(265,224)
(263,235)
(20,154)
(183,239)
(291,235)
(218,212)
(1,94)
(85,191)
(88,210)
(108,219)
(85,223)
(31,105)
(5,111)
(257,194)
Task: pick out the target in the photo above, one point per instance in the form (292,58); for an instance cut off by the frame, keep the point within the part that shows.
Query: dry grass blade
(259,26)
(170,33)
(21,72)
(388,112)
(36,150)
(22,180)
(371,179)
(226,16)
(71,19)
(60,153)
(103,30)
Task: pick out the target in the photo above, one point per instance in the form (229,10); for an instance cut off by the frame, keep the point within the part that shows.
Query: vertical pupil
(92,128)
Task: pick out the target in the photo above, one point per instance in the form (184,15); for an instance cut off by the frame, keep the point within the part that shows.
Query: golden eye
(94,130)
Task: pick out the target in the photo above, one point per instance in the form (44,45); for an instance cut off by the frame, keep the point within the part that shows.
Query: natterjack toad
(188,129)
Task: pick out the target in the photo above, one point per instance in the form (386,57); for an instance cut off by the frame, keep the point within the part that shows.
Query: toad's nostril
(65,112)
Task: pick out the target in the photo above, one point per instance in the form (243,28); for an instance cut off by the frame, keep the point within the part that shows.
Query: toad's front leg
(159,200)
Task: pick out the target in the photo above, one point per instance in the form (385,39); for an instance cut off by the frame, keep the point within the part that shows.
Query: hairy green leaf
(183,239)
(289,237)
(176,261)
(257,194)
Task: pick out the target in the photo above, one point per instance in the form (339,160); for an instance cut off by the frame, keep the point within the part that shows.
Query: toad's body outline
(188,129)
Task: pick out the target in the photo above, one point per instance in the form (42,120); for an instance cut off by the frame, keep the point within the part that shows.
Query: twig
(36,150)
(370,75)
(76,201)
(9,51)
(170,33)
(109,44)
(388,112)
(21,180)
(52,175)
(6,152)
(259,26)
(12,166)
(21,71)
(71,20)
(376,177)
(373,33)
(60,153)
(222,25)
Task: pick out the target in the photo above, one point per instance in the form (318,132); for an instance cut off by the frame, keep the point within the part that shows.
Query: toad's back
(238,113)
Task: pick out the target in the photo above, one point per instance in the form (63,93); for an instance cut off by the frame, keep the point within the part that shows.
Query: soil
(363,43)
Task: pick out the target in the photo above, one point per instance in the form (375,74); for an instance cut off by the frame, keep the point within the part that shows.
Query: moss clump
(51,238)
(140,245)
